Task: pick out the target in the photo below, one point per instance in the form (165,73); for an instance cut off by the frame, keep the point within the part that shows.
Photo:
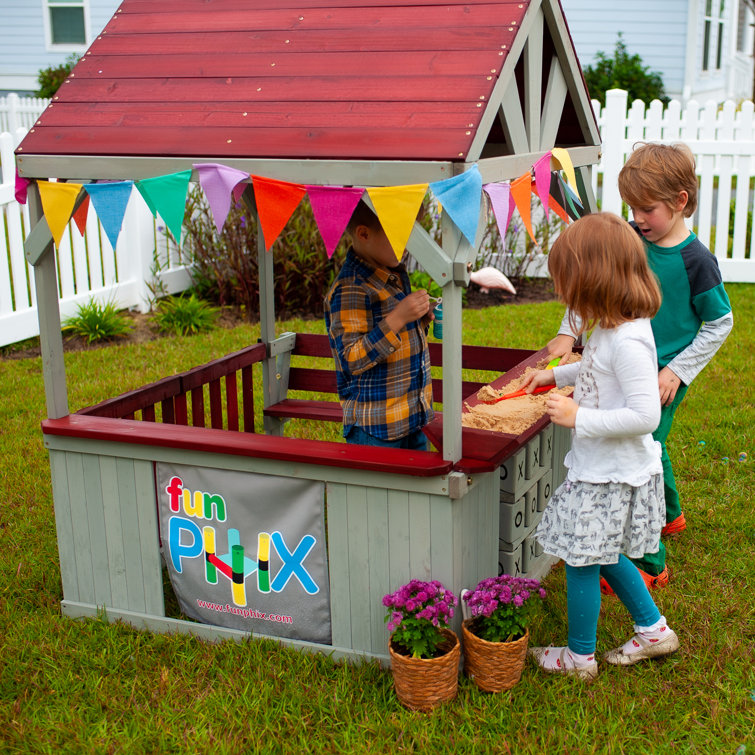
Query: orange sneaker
(674,527)
(652,582)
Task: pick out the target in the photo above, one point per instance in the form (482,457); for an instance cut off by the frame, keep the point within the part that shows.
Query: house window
(66,22)
(713,34)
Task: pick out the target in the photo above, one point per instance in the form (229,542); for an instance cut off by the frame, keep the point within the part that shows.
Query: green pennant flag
(167,195)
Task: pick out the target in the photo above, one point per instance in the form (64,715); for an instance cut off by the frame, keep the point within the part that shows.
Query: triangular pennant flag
(397,208)
(333,207)
(167,195)
(22,184)
(556,198)
(461,196)
(542,171)
(109,201)
(80,216)
(564,160)
(276,202)
(502,203)
(218,182)
(58,200)
(521,190)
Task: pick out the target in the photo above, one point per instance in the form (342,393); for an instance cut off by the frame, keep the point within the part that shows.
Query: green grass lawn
(87,686)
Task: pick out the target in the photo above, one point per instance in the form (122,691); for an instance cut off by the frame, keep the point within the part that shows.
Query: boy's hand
(410,308)
(668,385)
(536,379)
(562,410)
(560,346)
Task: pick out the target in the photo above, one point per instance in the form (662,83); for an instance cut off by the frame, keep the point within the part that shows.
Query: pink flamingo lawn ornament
(488,277)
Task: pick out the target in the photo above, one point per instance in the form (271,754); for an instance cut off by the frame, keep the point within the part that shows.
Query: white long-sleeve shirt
(616,387)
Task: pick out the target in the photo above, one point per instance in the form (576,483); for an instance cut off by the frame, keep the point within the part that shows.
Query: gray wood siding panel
(148,534)
(64,525)
(399,544)
(130,527)
(378,556)
(441,541)
(81,537)
(114,532)
(338,564)
(96,519)
(419,533)
(359,577)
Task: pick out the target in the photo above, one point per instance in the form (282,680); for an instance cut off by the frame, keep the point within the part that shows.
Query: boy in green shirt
(659,184)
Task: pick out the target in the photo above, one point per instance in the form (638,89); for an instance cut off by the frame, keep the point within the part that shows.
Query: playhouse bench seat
(295,408)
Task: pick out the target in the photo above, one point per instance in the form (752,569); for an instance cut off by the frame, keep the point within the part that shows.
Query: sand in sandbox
(514,415)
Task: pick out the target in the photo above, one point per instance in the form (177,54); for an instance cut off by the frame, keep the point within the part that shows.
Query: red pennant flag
(80,216)
(276,202)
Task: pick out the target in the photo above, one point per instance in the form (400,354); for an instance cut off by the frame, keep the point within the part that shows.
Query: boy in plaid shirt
(377,329)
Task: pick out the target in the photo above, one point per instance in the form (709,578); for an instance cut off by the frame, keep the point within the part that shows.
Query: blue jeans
(415,441)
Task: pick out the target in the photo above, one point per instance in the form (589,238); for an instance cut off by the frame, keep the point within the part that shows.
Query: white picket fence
(88,267)
(722,138)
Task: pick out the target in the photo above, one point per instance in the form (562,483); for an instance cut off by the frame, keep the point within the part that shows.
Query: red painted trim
(297,450)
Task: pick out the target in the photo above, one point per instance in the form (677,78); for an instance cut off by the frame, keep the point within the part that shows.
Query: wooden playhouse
(326,92)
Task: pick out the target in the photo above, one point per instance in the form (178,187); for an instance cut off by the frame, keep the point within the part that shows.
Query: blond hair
(600,271)
(658,173)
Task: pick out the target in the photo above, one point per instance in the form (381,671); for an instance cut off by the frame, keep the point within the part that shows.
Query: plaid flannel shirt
(383,377)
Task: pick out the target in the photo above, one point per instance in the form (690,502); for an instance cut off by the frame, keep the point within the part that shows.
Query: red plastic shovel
(520,392)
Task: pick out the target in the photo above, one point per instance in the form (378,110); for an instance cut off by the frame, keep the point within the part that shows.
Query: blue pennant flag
(109,201)
(461,197)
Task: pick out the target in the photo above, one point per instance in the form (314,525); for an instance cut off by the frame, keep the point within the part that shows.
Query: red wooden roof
(328,79)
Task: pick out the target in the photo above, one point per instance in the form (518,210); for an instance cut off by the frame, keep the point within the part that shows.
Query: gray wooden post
(40,252)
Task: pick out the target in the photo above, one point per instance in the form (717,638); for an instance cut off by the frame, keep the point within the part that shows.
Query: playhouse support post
(40,252)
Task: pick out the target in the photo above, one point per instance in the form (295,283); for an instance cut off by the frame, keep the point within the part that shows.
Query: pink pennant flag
(503,204)
(22,186)
(218,183)
(333,207)
(542,171)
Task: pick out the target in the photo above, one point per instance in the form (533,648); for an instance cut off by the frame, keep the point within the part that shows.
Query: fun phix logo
(186,540)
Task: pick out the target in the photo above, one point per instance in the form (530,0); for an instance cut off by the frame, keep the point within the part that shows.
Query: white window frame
(715,21)
(68,47)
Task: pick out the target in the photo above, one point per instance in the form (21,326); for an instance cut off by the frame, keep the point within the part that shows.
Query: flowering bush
(502,607)
(416,612)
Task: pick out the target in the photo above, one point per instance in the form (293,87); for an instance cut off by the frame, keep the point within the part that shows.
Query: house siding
(23,48)
(656,32)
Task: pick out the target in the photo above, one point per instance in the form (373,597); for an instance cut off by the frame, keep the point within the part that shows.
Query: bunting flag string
(109,201)
(397,207)
(276,202)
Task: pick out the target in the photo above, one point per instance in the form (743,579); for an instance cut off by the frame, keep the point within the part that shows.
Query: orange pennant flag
(397,208)
(553,204)
(276,202)
(521,190)
(80,216)
(58,200)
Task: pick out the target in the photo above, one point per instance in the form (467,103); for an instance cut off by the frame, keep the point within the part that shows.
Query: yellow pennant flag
(562,156)
(397,208)
(58,200)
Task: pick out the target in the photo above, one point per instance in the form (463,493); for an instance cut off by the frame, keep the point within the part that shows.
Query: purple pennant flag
(333,207)
(218,183)
(109,201)
(542,169)
(503,204)
(461,196)
(22,184)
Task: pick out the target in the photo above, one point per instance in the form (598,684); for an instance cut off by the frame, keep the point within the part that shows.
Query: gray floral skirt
(593,523)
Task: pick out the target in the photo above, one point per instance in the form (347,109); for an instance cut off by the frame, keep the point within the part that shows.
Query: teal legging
(583,600)
(655,563)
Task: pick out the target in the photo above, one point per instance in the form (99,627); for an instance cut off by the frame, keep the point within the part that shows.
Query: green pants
(655,563)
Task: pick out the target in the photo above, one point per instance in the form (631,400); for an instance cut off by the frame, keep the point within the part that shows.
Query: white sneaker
(640,648)
(558,660)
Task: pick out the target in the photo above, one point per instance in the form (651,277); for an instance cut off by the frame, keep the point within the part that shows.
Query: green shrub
(97,322)
(623,71)
(184,315)
(51,79)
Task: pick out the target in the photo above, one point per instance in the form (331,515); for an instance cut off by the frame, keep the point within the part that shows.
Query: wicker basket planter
(425,683)
(494,666)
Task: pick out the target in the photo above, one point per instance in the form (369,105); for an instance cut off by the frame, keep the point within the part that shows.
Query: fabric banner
(110,201)
(218,183)
(502,203)
(80,216)
(58,200)
(246,551)
(461,197)
(333,207)
(276,202)
(521,190)
(167,195)
(542,172)
(397,208)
